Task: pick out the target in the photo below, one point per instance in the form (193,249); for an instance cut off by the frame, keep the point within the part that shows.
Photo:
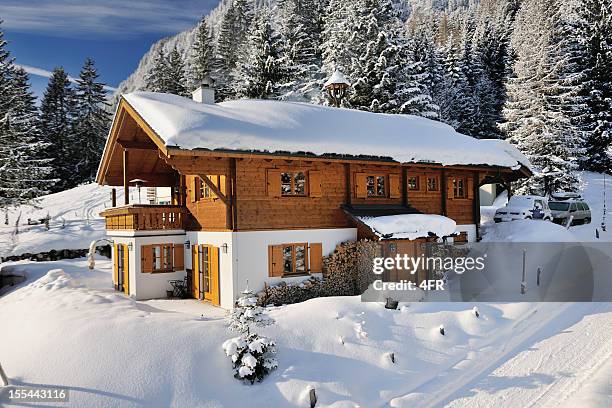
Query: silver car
(563,210)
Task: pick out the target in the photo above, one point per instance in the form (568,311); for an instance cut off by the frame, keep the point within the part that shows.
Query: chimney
(205,93)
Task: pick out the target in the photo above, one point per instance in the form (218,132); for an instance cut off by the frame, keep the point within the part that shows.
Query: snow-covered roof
(410,226)
(336,78)
(291,127)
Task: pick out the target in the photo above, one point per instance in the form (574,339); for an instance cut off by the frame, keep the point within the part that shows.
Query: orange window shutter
(314,183)
(126,269)
(470,188)
(361,190)
(274,182)
(192,190)
(450,191)
(316,258)
(179,257)
(275,260)
(147,258)
(214,274)
(395,190)
(115,264)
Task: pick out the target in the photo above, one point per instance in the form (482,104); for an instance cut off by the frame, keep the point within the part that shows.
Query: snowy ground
(65,326)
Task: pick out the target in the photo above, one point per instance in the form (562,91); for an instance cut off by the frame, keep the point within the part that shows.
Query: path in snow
(566,361)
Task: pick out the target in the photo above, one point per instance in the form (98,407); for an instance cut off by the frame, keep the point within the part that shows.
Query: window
(459,188)
(158,258)
(293,184)
(217,180)
(432,184)
(413,183)
(294,259)
(375,186)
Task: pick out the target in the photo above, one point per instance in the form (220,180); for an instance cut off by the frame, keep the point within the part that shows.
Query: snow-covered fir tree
(259,71)
(57,113)
(594,29)
(158,76)
(252,355)
(91,121)
(177,80)
(534,121)
(23,174)
(201,59)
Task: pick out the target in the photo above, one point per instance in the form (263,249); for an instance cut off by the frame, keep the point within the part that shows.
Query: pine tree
(593,29)
(534,121)
(23,174)
(158,76)
(57,114)
(259,71)
(339,26)
(176,80)
(6,72)
(91,122)
(201,54)
(301,34)
(231,45)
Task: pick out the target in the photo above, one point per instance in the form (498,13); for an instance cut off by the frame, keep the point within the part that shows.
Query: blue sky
(43,34)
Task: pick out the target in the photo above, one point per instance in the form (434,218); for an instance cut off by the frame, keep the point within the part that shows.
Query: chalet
(263,190)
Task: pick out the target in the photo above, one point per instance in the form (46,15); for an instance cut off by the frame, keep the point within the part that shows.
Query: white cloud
(68,18)
(47,74)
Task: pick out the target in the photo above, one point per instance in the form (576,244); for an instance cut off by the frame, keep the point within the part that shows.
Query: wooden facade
(255,191)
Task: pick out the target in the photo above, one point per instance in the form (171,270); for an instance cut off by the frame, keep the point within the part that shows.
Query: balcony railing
(140,217)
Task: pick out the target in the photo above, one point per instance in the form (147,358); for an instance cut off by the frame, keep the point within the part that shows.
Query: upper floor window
(413,183)
(217,180)
(293,183)
(432,184)
(459,188)
(376,186)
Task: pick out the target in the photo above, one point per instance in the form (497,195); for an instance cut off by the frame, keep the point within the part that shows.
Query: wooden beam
(232,189)
(114,197)
(136,145)
(214,188)
(347,181)
(405,186)
(126,186)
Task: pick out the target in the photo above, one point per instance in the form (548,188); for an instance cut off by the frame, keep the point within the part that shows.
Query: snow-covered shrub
(247,312)
(252,356)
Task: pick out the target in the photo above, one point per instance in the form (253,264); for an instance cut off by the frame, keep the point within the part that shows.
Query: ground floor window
(295,259)
(159,258)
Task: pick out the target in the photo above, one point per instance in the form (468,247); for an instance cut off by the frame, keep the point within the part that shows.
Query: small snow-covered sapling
(475,310)
(442,332)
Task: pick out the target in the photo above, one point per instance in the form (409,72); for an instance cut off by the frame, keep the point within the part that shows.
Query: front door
(206,273)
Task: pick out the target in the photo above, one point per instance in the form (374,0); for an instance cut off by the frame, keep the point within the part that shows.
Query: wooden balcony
(141,217)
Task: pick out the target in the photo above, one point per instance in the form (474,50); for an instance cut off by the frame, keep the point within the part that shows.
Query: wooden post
(233,191)
(126,185)
(476,203)
(404,186)
(347,181)
(443,191)
(114,197)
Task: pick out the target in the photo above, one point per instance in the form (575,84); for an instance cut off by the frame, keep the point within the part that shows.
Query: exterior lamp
(224,248)
(130,246)
(336,87)
(188,244)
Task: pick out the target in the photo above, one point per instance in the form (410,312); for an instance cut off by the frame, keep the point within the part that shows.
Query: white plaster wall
(252,249)
(148,285)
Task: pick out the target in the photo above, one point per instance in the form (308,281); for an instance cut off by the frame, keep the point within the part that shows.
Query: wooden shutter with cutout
(470,187)
(361,188)
(275,260)
(147,258)
(450,191)
(273,180)
(395,189)
(179,257)
(314,183)
(316,258)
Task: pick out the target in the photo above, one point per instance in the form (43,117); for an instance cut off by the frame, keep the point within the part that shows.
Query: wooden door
(195,270)
(209,273)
